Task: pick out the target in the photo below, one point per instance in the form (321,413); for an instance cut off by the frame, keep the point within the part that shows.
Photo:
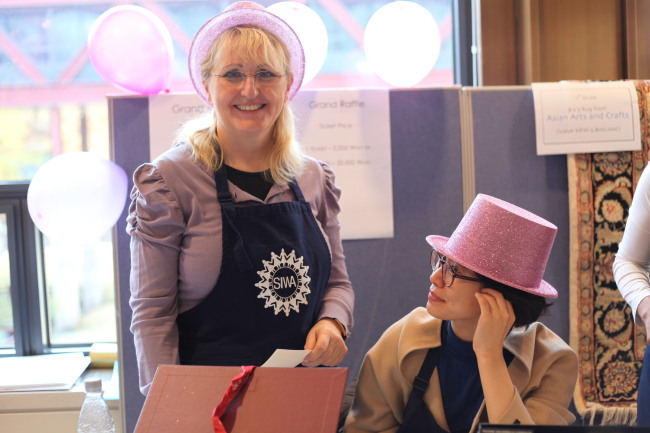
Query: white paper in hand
(286,358)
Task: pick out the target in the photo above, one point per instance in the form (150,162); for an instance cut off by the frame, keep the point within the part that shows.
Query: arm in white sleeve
(633,258)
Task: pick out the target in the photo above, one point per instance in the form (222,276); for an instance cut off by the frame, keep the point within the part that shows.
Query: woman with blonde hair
(236,247)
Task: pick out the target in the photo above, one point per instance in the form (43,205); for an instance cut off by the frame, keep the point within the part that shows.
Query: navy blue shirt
(460,383)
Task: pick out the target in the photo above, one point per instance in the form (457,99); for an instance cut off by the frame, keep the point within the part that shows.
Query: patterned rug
(609,345)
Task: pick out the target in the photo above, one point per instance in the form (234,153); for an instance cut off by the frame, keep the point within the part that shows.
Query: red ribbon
(232,391)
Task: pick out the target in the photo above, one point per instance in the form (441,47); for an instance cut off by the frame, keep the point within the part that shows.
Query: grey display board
(391,276)
(506,166)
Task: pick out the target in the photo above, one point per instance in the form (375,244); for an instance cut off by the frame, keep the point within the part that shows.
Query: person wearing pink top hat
(475,353)
(235,241)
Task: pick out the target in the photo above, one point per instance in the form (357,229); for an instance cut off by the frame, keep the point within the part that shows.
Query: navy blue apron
(417,416)
(275,266)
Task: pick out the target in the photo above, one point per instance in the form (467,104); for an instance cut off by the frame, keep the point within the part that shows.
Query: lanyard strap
(232,391)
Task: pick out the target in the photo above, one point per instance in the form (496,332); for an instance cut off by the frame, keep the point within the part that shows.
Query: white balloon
(310,30)
(77,196)
(402,43)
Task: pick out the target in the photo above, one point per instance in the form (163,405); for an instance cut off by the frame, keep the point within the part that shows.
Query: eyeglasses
(449,272)
(261,77)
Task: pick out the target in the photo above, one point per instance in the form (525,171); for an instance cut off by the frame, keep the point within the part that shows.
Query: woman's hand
(494,324)
(326,344)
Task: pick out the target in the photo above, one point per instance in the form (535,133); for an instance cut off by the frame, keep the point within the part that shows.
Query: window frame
(465,41)
(24,243)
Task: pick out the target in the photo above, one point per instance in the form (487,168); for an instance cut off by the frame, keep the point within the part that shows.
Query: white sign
(350,131)
(167,112)
(573,117)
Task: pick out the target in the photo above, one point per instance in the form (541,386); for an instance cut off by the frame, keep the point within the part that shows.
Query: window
(80,287)
(55,295)
(6,315)
(15,298)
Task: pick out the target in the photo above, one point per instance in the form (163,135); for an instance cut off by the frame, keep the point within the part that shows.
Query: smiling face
(253,105)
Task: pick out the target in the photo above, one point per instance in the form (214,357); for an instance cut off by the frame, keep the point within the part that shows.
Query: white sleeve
(632,261)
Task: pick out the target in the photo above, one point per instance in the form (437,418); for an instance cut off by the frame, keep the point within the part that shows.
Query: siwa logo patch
(284,283)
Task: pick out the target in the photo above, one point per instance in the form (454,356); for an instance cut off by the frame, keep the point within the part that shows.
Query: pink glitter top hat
(250,14)
(503,242)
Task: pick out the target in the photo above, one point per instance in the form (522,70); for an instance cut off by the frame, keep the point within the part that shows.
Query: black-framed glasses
(261,77)
(449,271)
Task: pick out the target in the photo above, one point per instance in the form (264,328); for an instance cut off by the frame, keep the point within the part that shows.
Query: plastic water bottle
(95,417)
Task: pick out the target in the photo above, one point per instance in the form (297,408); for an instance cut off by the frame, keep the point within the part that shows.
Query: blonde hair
(257,45)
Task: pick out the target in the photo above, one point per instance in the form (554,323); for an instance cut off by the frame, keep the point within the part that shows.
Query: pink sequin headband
(245,13)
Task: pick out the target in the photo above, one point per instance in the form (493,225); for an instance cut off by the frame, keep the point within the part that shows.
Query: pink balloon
(77,196)
(132,49)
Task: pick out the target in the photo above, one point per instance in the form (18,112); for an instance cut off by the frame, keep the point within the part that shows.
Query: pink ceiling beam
(73,67)
(69,93)
(177,33)
(6,4)
(341,14)
(45,95)
(435,78)
(20,60)
(445,27)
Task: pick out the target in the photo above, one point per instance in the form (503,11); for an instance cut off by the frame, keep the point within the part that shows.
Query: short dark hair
(526,306)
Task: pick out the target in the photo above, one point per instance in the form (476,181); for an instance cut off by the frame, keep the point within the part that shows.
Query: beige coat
(544,373)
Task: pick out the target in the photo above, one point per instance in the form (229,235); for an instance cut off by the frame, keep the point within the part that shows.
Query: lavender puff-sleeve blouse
(175,226)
